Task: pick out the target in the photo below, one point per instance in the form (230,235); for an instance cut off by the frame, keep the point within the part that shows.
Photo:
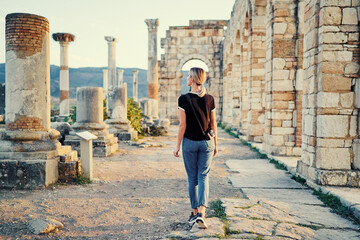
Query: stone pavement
(276,207)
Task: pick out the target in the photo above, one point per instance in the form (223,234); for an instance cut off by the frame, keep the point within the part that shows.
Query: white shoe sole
(201,224)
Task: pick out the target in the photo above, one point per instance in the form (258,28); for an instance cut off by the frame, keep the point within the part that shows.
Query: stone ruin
(89,117)
(285,73)
(30,154)
(201,40)
(64,39)
(116,94)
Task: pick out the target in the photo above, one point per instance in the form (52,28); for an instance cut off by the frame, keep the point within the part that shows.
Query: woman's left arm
(213,125)
(182,128)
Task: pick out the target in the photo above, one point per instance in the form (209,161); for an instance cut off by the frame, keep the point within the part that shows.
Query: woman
(197,151)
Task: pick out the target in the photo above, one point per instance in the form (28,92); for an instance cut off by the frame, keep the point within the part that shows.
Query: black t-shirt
(203,106)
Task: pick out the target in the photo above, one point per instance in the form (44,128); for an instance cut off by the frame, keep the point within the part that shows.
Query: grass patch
(336,206)
(299,179)
(217,210)
(313,227)
(250,206)
(278,165)
(81,180)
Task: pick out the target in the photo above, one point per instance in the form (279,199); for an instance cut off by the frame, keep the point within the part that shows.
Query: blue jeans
(197,159)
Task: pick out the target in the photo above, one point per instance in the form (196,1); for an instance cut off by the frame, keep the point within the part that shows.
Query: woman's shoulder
(209,97)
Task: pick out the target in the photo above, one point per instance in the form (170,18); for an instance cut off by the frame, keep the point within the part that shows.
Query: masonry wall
(331,68)
(298,65)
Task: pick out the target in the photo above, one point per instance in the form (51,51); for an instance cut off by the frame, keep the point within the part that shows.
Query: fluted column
(152,73)
(135,85)
(111,61)
(120,77)
(64,39)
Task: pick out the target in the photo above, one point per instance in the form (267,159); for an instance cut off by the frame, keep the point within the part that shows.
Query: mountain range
(88,77)
(93,77)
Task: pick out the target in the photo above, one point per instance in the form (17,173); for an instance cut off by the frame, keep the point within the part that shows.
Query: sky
(91,20)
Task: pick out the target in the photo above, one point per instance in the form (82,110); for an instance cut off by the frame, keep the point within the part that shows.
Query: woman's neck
(195,88)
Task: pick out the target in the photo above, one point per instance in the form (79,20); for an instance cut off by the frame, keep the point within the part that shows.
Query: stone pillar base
(348,178)
(121,129)
(36,169)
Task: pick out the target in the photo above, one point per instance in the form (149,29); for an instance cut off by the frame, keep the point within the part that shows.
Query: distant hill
(93,77)
(88,77)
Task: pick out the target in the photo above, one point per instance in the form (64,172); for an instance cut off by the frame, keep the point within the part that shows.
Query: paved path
(275,207)
(142,194)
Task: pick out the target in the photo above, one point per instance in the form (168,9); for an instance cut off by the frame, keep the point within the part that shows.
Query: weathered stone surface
(43,226)
(244,225)
(294,231)
(215,227)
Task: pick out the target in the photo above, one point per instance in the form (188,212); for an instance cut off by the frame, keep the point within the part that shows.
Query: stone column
(118,123)
(120,77)
(29,149)
(89,117)
(152,73)
(135,85)
(331,64)
(111,61)
(64,39)
(280,78)
(105,82)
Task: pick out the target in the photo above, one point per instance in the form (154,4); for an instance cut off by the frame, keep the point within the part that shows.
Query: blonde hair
(199,77)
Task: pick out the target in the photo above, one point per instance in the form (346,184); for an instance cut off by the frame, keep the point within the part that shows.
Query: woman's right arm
(182,128)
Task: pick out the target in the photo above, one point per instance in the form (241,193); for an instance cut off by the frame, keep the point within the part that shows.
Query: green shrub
(134,115)
(73,114)
(104,109)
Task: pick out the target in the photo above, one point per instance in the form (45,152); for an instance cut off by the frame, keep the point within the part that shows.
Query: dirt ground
(141,194)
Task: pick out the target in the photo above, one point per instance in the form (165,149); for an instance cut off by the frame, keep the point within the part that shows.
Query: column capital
(120,70)
(152,24)
(63,37)
(135,71)
(110,39)
(105,70)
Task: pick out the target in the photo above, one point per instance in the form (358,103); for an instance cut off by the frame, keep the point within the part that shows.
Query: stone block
(347,99)
(8,173)
(282,131)
(332,126)
(280,28)
(349,16)
(335,83)
(333,158)
(334,38)
(330,143)
(353,126)
(68,171)
(283,85)
(330,16)
(352,68)
(309,125)
(328,100)
(356,152)
(36,173)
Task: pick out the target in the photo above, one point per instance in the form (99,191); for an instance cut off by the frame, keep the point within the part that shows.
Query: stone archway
(202,40)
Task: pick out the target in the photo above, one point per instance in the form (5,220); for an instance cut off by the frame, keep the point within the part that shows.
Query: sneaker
(200,220)
(192,218)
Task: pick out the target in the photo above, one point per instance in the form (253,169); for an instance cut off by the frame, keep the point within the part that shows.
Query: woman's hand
(215,151)
(176,152)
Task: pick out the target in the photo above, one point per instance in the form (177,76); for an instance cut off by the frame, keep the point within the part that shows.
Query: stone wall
(291,81)
(331,56)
